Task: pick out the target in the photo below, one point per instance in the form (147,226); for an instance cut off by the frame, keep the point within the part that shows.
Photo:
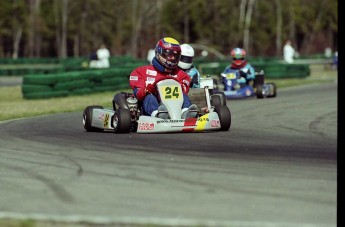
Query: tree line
(73,28)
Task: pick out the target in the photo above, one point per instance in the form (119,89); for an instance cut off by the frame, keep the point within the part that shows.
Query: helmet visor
(238,61)
(186,59)
(171,56)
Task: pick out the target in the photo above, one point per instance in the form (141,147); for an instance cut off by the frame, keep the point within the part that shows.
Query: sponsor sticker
(106,120)
(215,123)
(171,121)
(231,76)
(248,92)
(151,72)
(170,92)
(146,126)
(203,119)
(133,78)
(186,82)
(167,45)
(101,116)
(150,80)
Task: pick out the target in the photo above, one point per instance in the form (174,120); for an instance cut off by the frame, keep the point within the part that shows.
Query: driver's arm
(137,83)
(184,80)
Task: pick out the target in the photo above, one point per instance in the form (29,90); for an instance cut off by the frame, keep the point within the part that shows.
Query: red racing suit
(148,74)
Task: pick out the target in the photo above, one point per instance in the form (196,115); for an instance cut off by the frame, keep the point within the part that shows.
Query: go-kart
(233,89)
(127,115)
(211,84)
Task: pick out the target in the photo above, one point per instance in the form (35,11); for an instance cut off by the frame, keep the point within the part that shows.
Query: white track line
(99,220)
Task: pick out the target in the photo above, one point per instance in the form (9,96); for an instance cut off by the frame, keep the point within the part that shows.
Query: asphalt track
(276,166)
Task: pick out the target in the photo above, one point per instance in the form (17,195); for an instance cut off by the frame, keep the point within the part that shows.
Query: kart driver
(164,64)
(240,64)
(186,64)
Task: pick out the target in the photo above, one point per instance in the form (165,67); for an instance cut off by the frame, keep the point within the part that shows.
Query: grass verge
(13,105)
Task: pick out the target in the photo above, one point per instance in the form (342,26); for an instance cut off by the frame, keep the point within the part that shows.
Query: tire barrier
(43,86)
(277,71)
(24,66)
(272,70)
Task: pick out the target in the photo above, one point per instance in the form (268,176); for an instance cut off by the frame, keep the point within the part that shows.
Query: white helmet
(187,55)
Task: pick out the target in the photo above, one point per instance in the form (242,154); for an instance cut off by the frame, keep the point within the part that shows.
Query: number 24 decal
(171,92)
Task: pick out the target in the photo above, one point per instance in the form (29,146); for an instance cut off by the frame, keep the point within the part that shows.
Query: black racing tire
(216,101)
(224,115)
(87,119)
(119,101)
(259,79)
(215,84)
(274,92)
(122,120)
(258,91)
(222,96)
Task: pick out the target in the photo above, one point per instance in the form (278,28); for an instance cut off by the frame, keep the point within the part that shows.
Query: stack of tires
(44,86)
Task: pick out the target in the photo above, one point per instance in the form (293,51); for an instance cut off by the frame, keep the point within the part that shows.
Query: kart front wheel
(259,91)
(122,120)
(273,90)
(224,117)
(87,119)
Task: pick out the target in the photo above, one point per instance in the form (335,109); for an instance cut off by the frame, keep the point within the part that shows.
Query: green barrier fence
(42,86)
(271,70)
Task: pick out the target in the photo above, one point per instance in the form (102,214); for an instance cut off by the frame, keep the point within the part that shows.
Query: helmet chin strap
(159,66)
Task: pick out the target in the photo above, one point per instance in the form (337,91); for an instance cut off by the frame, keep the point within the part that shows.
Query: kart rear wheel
(273,90)
(222,96)
(259,79)
(122,120)
(215,84)
(224,117)
(87,119)
(259,91)
(216,101)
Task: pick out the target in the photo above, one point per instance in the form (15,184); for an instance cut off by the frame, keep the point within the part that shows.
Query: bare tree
(242,14)
(61,18)
(18,27)
(186,21)
(64,16)
(310,36)
(142,14)
(159,6)
(292,32)
(279,26)
(34,6)
(16,42)
(247,21)
(136,25)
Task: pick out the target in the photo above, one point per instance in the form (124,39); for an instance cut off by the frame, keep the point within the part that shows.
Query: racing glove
(150,88)
(142,92)
(184,88)
(241,80)
(243,74)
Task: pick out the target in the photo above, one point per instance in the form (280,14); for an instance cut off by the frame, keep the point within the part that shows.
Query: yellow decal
(106,120)
(171,40)
(201,122)
(230,76)
(170,92)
